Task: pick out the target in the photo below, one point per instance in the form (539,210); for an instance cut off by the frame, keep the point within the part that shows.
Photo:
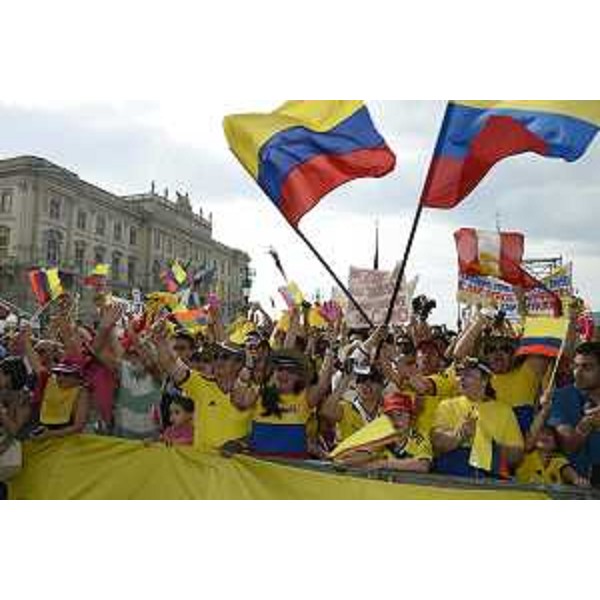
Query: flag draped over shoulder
(476,134)
(306,148)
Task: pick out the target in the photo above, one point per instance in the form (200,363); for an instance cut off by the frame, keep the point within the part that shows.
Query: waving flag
(543,336)
(174,277)
(45,284)
(292,295)
(476,134)
(493,254)
(500,255)
(306,148)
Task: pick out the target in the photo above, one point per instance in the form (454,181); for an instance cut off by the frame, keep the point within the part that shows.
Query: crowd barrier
(96,467)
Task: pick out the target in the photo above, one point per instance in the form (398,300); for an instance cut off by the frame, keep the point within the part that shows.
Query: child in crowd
(543,463)
(181,430)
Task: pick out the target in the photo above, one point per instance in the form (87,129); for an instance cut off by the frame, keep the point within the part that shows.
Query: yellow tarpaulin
(94,467)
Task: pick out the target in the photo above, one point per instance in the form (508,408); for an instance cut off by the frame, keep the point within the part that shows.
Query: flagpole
(413,231)
(402,269)
(344,289)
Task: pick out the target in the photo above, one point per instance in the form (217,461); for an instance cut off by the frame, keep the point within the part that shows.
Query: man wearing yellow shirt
(390,442)
(474,434)
(216,420)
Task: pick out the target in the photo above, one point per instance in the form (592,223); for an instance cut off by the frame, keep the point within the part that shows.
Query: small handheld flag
(45,284)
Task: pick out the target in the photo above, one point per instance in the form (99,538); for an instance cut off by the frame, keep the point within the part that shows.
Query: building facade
(51,217)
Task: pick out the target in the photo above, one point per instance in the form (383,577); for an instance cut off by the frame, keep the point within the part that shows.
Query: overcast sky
(180,145)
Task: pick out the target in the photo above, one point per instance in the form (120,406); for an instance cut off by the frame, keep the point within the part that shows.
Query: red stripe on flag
(310,181)
(39,286)
(468,251)
(450,179)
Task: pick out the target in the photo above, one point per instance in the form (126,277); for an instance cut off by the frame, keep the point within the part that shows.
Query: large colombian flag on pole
(306,148)
(476,134)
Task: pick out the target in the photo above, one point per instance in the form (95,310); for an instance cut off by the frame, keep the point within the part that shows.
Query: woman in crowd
(282,408)
(65,403)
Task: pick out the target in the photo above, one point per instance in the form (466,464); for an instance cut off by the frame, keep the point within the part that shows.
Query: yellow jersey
(496,424)
(283,434)
(58,404)
(354,417)
(216,419)
(518,387)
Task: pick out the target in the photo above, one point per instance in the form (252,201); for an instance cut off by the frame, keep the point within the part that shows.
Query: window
(81,219)
(133,236)
(156,272)
(80,256)
(54,209)
(156,239)
(4,241)
(115,267)
(131,270)
(6,202)
(118,231)
(53,247)
(99,255)
(100,225)
(169,246)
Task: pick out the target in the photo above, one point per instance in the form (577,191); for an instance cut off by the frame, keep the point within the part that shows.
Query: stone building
(51,217)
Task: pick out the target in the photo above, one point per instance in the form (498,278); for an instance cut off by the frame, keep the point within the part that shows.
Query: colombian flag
(174,277)
(306,148)
(476,134)
(45,284)
(543,336)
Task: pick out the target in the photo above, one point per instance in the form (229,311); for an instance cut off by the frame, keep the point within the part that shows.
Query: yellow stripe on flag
(247,133)
(587,110)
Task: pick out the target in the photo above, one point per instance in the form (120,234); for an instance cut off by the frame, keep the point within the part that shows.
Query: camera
(422,307)
(499,318)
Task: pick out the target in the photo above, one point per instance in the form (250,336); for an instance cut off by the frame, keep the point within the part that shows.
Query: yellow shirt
(351,420)
(496,422)
(216,420)
(58,404)
(446,383)
(294,411)
(416,446)
(518,387)
(379,433)
(533,469)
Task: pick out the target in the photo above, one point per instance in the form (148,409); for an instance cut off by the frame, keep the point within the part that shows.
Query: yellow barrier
(94,467)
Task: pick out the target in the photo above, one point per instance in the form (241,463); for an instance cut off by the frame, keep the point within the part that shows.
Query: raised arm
(331,409)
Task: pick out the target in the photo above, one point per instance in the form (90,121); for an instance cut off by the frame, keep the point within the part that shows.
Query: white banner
(373,291)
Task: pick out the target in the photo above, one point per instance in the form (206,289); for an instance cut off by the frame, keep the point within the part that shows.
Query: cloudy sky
(180,145)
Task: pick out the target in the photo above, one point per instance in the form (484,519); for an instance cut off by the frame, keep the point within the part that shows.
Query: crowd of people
(414,398)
